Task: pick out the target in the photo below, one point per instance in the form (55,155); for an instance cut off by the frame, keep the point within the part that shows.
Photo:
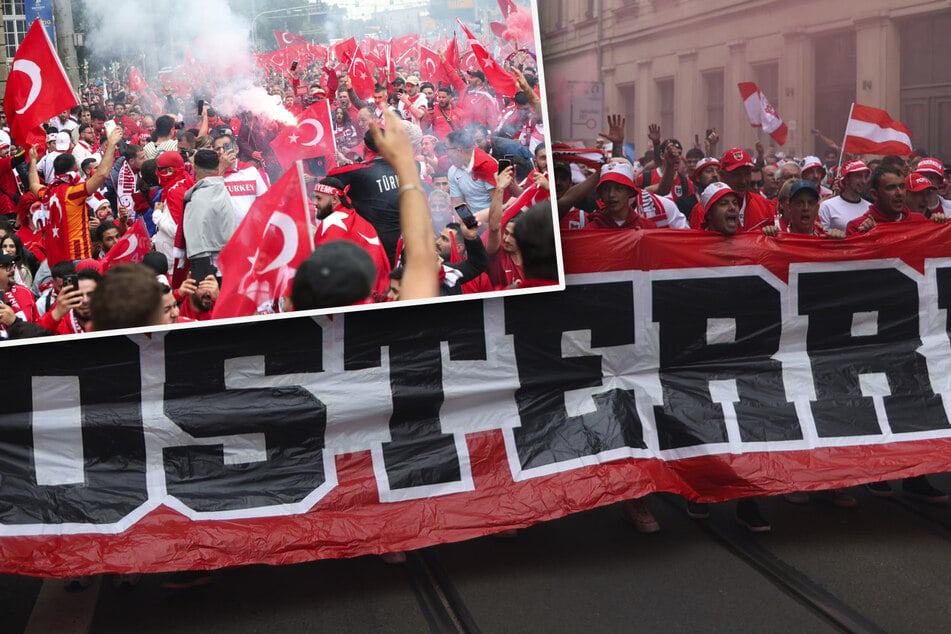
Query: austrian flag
(761,113)
(873,131)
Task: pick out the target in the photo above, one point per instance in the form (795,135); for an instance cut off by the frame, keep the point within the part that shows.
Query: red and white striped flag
(761,113)
(873,131)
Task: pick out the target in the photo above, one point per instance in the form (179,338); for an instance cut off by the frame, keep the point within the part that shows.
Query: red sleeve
(48,321)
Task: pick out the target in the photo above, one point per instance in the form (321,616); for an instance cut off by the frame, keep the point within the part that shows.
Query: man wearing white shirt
(839,211)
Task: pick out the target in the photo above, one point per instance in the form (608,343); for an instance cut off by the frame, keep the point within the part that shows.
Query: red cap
(735,158)
(853,167)
(704,163)
(89,264)
(619,172)
(918,183)
(931,165)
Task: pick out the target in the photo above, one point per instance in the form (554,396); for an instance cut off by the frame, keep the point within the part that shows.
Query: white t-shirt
(244,186)
(837,212)
(419,101)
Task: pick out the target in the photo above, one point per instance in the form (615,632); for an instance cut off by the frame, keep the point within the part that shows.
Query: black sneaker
(918,488)
(880,489)
(748,515)
(698,510)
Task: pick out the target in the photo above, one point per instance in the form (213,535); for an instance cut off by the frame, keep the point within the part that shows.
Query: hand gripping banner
(674,361)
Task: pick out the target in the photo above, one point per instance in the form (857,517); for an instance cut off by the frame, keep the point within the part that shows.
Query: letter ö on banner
(290,465)
(551,437)
(720,381)
(863,340)
(75,445)
(419,460)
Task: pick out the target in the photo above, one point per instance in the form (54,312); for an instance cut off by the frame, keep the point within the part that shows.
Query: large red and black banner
(673,361)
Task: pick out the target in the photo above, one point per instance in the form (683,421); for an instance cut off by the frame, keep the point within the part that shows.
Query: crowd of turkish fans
(188,174)
(730,192)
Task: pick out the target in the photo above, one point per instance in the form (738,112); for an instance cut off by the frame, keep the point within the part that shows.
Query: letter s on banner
(282,426)
(79,458)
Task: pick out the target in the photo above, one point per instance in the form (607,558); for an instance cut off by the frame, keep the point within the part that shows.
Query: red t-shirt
(601,220)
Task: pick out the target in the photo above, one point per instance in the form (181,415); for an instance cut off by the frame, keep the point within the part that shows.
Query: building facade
(678,63)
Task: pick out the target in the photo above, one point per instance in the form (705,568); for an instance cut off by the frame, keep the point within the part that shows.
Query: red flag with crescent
(431,67)
(344,50)
(503,82)
(259,262)
(313,136)
(37,88)
(131,248)
(285,39)
(360,75)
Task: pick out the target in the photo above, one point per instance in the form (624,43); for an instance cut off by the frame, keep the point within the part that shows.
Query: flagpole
(845,135)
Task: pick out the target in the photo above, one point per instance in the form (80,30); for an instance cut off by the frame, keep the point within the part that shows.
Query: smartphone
(504,164)
(202,268)
(109,126)
(294,65)
(70,280)
(465,215)
(201,106)
(227,147)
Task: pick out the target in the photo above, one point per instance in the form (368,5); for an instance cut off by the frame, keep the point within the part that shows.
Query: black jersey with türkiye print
(373,188)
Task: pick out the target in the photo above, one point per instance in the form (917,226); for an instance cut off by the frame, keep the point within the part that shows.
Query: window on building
(835,85)
(713,93)
(665,106)
(14,25)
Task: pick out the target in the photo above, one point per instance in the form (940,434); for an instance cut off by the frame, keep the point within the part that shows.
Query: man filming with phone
(244,183)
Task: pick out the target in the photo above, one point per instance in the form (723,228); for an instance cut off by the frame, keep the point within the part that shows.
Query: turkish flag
(502,82)
(346,224)
(285,39)
(402,46)
(344,50)
(313,136)
(431,67)
(37,88)
(137,83)
(484,167)
(360,77)
(131,247)
(466,29)
(451,56)
(260,260)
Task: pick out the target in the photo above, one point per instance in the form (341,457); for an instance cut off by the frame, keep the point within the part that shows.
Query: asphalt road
(882,566)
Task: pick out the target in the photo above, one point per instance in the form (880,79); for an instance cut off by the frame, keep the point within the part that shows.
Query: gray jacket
(209,217)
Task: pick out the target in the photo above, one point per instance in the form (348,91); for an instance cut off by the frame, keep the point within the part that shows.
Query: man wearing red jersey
(888,190)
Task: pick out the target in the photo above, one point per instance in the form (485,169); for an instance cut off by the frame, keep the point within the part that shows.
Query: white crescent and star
(133,244)
(318,131)
(31,70)
(284,37)
(288,229)
(335,219)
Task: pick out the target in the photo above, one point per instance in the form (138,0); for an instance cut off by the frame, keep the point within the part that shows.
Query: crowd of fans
(729,193)
(471,160)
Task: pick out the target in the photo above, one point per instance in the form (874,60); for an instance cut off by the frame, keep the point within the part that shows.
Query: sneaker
(698,510)
(636,513)
(797,497)
(918,488)
(880,489)
(394,558)
(837,497)
(186,580)
(748,515)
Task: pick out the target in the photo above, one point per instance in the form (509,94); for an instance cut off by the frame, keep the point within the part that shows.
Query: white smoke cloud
(155,35)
